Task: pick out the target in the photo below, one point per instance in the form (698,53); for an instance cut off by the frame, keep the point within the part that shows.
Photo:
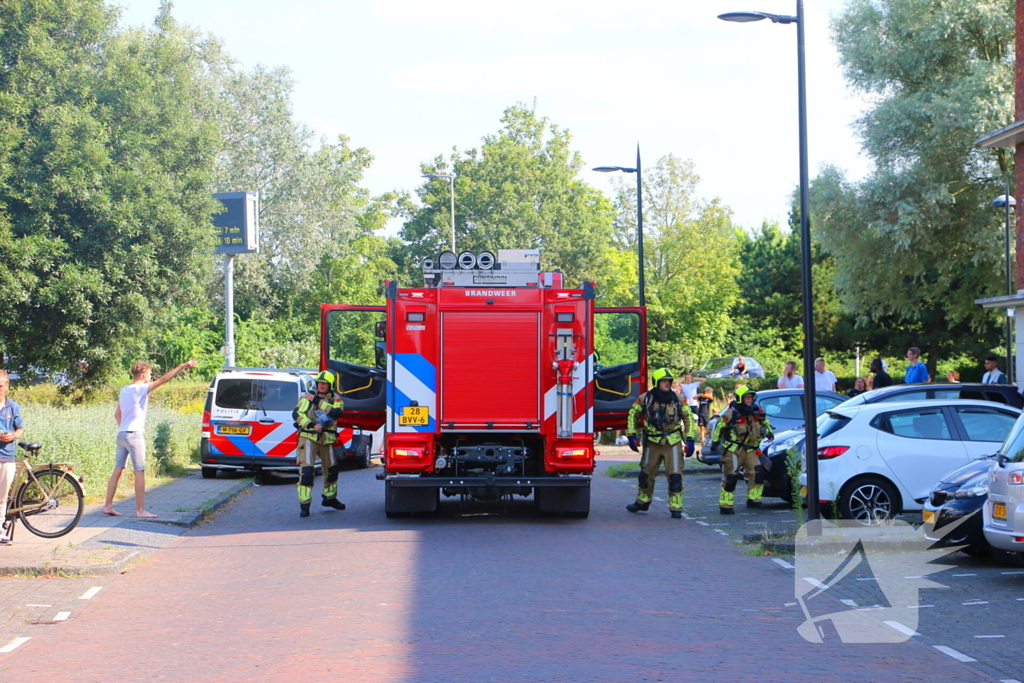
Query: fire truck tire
(408,501)
(573,503)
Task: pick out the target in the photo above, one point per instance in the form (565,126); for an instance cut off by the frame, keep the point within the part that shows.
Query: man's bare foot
(145,515)
(111,511)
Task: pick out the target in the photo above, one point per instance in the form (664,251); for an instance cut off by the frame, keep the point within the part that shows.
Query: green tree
(690,262)
(915,242)
(518,191)
(105,166)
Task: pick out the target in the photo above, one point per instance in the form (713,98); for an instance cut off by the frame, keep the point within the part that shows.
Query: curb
(127,555)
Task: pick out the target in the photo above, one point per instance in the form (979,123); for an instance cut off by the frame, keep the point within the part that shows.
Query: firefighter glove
(633,445)
(689,447)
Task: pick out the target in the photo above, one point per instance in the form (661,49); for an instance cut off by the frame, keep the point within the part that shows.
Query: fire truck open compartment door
(620,345)
(352,347)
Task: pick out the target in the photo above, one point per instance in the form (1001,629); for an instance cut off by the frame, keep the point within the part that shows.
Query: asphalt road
(260,594)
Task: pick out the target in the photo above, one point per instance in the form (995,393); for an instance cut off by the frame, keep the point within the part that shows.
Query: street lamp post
(1006,201)
(451,186)
(810,402)
(639,215)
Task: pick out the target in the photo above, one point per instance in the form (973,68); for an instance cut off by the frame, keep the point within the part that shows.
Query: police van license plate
(414,415)
(999,510)
(241,430)
(928,516)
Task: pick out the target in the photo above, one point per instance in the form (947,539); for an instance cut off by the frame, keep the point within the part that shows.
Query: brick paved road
(258,594)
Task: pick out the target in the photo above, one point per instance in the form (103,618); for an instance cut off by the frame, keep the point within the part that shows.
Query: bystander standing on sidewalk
(131,439)
(824,380)
(10,431)
(882,378)
(993,375)
(917,373)
(688,391)
(789,379)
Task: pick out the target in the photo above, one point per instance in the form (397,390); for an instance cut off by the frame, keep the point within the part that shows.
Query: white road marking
(964,574)
(868,579)
(918,606)
(782,563)
(1007,573)
(91,593)
(789,604)
(913,577)
(9,647)
(660,500)
(906,630)
(815,582)
(703,523)
(1009,680)
(848,602)
(38,605)
(954,654)
(61,616)
(989,636)
(975,602)
(719,531)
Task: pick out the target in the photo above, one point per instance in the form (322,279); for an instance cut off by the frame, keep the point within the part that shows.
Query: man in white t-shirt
(131,439)
(789,379)
(688,389)
(824,380)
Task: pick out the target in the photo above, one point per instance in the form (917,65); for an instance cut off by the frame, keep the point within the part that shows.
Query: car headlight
(972,492)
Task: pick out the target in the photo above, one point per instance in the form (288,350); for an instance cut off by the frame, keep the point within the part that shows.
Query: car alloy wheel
(869,503)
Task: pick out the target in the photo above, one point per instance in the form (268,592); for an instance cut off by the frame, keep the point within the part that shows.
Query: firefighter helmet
(326,376)
(660,374)
(743,391)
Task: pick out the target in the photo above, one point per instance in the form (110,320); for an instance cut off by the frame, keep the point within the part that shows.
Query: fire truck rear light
(406,452)
(572,452)
(831,452)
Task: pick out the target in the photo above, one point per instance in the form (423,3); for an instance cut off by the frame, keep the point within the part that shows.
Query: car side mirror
(1001,460)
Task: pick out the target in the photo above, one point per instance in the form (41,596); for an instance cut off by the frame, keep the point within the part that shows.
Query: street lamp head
(746,17)
(613,169)
(1002,200)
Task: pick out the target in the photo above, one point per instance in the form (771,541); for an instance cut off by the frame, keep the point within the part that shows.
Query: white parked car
(878,460)
(1004,510)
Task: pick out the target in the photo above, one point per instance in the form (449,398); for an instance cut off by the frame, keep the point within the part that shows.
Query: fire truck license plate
(414,415)
(225,429)
(999,511)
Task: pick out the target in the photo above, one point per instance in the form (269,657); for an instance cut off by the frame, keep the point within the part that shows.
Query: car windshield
(1013,446)
(717,363)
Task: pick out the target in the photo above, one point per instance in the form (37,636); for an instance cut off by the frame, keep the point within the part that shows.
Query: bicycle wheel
(51,505)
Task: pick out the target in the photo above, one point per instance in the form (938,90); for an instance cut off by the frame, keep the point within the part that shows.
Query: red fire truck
(487,381)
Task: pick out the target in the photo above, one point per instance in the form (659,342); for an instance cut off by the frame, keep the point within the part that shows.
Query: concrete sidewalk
(101,544)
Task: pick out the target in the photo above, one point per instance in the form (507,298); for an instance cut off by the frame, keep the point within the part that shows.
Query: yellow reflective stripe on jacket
(687,430)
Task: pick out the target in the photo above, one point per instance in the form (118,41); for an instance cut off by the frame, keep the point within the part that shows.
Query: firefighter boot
(677,514)
(332,503)
(639,507)
(753,503)
(303,509)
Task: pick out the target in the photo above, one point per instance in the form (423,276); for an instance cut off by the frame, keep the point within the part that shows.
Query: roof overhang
(1008,301)
(1010,136)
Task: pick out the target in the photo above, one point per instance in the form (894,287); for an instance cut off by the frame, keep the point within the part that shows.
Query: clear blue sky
(410,79)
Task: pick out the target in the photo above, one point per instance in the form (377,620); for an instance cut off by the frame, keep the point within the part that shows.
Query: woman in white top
(789,379)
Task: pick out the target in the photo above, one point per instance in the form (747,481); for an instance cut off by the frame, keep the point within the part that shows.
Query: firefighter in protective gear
(666,424)
(740,429)
(316,419)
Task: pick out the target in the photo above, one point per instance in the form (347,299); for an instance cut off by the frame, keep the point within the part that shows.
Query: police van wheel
(209,472)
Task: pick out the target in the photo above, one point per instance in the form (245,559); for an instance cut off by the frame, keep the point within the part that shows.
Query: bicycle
(49,499)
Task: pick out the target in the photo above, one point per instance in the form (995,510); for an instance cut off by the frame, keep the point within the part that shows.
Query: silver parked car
(1004,511)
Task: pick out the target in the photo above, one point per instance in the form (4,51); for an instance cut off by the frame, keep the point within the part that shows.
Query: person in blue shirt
(10,432)
(917,373)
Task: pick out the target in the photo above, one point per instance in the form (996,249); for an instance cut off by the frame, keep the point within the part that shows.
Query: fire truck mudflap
(492,388)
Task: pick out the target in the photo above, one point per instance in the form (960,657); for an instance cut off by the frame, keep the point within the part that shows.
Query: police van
(248,422)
